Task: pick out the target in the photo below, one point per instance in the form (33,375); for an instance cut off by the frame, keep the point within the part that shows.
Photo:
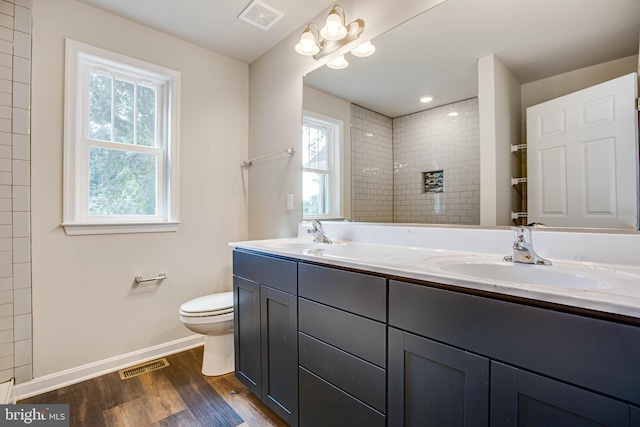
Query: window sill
(323,218)
(78,229)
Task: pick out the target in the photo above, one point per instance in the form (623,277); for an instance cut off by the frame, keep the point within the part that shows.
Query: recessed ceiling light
(452,114)
(426,99)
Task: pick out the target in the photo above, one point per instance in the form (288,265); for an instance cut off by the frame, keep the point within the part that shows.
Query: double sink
(568,275)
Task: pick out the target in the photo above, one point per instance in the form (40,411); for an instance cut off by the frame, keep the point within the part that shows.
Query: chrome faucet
(523,251)
(318,232)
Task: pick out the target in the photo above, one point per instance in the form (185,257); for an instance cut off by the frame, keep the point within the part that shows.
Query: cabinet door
(279,314)
(520,398)
(635,417)
(246,331)
(432,384)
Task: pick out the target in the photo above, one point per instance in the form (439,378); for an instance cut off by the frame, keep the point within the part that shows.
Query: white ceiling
(214,24)
(437,51)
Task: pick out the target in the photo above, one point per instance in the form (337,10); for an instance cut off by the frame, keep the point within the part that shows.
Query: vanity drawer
(322,404)
(358,293)
(277,273)
(361,379)
(357,335)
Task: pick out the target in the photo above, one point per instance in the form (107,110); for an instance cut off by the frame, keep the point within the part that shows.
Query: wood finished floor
(178,395)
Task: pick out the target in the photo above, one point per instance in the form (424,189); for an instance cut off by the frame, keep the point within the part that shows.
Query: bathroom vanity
(325,340)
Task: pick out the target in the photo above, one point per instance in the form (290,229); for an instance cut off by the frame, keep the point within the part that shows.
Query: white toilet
(212,316)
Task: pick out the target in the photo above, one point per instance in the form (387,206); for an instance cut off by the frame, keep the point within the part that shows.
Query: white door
(582,157)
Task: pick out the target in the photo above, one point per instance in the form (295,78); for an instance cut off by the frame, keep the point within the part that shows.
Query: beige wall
(85,306)
(275,107)
(507,133)
(328,105)
(499,101)
(553,87)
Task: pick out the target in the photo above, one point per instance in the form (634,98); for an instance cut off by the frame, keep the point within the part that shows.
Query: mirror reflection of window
(320,167)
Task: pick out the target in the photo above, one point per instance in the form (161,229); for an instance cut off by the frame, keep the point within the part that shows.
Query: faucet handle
(315,226)
(523,247)
(522,234)
(318,232)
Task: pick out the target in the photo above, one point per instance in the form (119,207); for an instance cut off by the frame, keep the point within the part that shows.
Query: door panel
(582,157)
(520,398)
(246,329)
(279,320)
(434,384)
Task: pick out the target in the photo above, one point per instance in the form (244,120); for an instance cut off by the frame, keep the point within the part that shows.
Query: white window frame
(80,60)
(334,161)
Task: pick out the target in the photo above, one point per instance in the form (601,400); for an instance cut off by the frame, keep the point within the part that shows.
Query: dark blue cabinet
(266,330)
(278,313)
(330,346)
(342,347)
(547,368)
(246,326)
(434,384)
(524,399)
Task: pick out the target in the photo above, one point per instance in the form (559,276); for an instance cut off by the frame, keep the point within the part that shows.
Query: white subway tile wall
(445,138)
(15,230)
(389,157)
(371,166)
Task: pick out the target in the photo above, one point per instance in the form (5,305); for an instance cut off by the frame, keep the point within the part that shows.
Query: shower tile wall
(15,246)
(371,166)
(434,140)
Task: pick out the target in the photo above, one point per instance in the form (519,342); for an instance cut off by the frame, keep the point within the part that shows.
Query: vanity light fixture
(338,63)
(335,34)
(364,50)
(334,28)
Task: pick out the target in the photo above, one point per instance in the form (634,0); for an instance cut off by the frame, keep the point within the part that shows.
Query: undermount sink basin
(525,274)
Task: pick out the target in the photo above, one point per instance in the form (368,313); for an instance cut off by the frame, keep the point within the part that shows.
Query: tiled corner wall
(389,157)
(371,166)
(15,246)
(444,138)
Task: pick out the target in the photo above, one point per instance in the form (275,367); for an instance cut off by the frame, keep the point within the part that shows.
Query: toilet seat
(208,305)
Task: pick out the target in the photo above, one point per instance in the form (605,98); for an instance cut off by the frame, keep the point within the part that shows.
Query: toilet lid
(219,303)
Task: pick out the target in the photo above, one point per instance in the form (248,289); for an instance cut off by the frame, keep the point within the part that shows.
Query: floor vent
(143,368)
(260,15)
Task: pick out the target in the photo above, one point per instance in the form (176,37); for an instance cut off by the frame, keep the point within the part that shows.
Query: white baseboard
(81,373)
(6,392)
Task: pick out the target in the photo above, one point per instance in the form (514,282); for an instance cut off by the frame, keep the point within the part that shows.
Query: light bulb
(333,28)
(307,45)
(338,63)
(365,49)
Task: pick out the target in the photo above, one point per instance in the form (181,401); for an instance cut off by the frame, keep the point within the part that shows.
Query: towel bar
(140,279)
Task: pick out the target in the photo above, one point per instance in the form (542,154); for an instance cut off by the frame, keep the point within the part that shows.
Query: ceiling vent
(260,15)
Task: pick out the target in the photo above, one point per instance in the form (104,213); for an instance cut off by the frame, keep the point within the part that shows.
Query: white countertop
(617,288)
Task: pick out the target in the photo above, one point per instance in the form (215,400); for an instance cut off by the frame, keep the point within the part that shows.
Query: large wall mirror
(407,161)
